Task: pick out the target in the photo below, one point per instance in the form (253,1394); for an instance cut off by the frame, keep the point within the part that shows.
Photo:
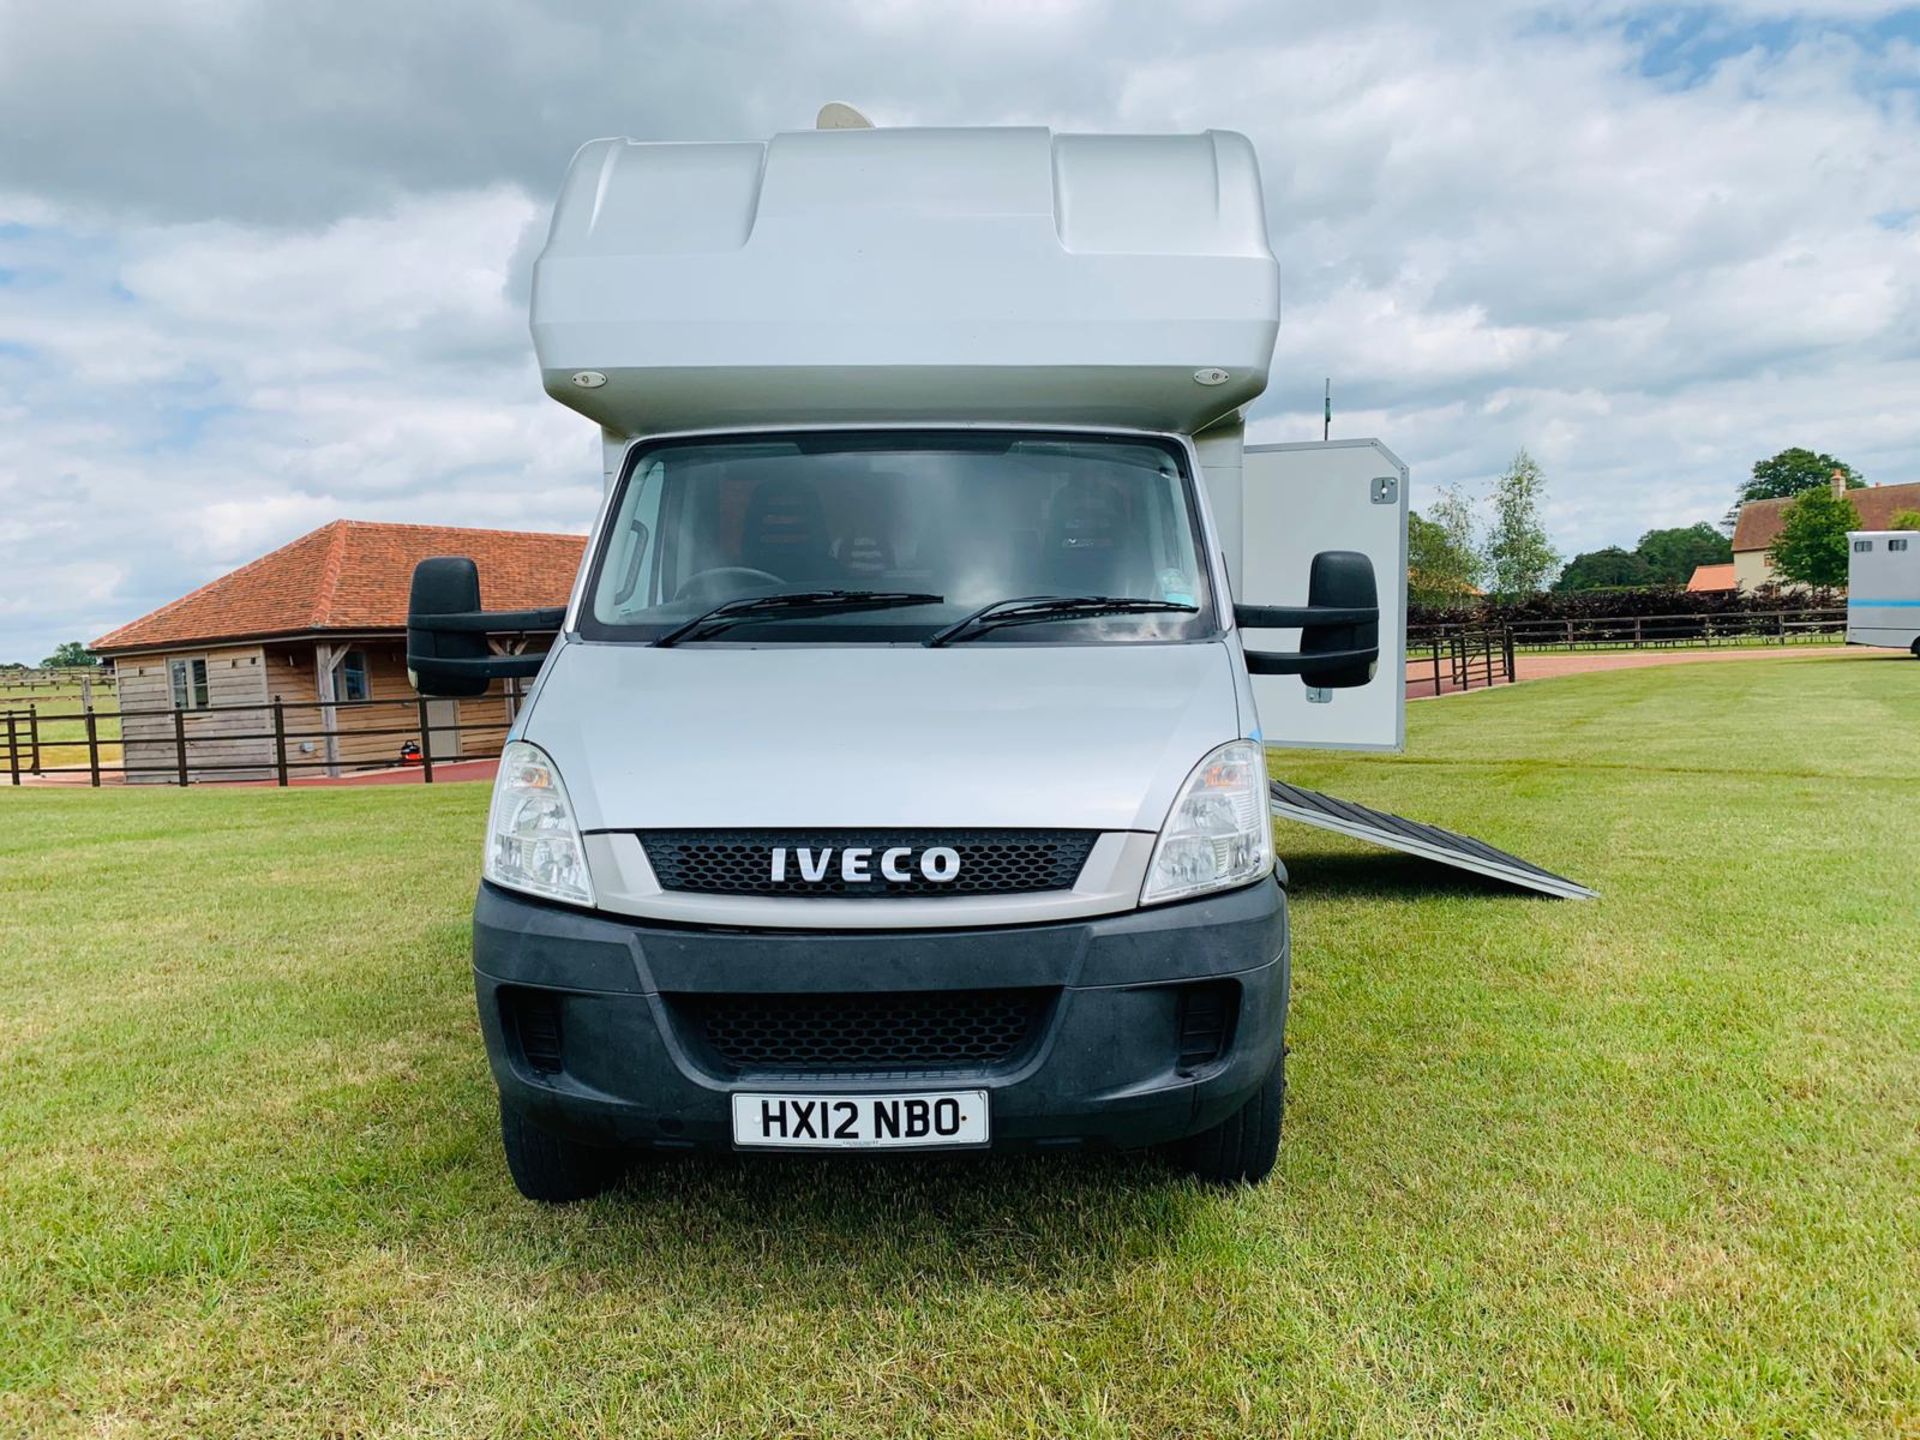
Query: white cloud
(193,395)
(261,266)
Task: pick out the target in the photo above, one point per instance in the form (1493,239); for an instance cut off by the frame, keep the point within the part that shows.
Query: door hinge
(1386,489)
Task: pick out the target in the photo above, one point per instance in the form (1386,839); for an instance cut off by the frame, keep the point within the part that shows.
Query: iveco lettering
(895,779)
(858,865)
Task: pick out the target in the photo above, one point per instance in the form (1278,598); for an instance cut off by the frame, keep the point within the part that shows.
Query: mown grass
(1649,1165)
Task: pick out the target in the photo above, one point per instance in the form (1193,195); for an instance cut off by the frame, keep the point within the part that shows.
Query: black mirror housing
(444,585)
(1339,625)
(447,650)
(1342,580)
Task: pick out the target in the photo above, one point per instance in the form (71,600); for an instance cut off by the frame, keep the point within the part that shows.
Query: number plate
(860,1122)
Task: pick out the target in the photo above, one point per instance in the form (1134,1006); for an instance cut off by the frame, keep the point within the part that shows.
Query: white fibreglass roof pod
(909,274)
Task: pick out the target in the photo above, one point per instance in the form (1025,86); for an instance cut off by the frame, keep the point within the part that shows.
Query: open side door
(1297,501)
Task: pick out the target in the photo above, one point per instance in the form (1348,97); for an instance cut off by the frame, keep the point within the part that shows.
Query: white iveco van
(895,778)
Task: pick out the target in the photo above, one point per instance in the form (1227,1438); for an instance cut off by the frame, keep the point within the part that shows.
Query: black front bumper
(586,1017)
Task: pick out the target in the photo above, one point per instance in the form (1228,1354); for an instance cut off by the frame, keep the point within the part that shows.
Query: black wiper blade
(1034,609)
(790,604)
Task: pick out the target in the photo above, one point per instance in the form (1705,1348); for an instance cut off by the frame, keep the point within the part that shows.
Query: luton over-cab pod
(857,276)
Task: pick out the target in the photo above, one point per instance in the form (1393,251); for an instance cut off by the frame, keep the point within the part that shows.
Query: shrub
(1588,607)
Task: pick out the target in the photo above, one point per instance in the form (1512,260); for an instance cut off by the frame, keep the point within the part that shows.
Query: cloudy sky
(263,265)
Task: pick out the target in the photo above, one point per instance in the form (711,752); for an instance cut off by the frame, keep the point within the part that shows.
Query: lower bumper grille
(532,1019)
(863,1033)
(1207,1014)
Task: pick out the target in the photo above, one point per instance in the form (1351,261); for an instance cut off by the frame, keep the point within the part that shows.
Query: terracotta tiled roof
(1759,523)
(353,575)
(1712,577)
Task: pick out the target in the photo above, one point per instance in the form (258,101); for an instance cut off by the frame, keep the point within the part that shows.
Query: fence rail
(181,750)
(1442,659)
(58,678)
(1778,627)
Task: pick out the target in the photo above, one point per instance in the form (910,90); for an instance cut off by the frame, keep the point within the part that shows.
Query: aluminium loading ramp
(1429,842)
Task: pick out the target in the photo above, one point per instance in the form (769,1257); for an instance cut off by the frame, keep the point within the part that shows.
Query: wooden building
(320,626)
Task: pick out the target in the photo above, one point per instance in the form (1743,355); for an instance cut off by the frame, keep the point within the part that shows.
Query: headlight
(1219,833)
(533,842)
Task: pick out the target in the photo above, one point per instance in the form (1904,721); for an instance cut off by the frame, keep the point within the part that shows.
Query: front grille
(741,862)
(862,1033)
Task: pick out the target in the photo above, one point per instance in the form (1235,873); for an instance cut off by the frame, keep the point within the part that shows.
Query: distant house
(1708,579)
(318,622)
(1760,520)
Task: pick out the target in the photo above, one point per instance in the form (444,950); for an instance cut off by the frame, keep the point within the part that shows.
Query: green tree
(1608,569)
(1519,557)
(1453,513)
(1443,558)
(1906,520)
(1793,471)
(1673,555)
(1811,548)
(69,655)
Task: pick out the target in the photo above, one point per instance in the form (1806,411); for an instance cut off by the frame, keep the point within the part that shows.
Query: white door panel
(1297,500)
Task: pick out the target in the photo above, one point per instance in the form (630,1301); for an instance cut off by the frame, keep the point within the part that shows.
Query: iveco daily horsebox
(895,777)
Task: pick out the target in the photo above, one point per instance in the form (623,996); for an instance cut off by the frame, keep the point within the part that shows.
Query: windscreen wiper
(789,605)
(1034,609)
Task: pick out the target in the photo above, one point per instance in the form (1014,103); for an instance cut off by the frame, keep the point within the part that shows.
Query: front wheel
(1241,1149)
(550,1168)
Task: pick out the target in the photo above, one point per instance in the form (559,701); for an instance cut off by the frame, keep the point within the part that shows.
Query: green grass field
(1648,1165)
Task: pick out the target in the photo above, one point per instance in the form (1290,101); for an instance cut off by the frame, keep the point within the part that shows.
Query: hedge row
(1591,605)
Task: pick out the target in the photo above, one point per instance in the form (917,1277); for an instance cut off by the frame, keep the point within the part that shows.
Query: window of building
(189,680)
(1861,547)
(1896,544)
(353,677)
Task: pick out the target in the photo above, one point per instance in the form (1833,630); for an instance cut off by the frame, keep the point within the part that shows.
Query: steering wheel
(715,583)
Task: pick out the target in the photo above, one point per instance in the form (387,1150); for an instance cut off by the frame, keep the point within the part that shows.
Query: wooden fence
(281,742)
(1778,627)
(1442,659)
(59,678)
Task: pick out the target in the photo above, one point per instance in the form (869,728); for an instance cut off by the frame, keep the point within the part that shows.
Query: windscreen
(970,518)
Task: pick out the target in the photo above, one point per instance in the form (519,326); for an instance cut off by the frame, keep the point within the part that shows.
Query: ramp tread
(1413,837)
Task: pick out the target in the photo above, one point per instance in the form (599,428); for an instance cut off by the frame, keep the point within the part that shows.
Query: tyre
(1915,647)
(551,1169)
(1241,1149)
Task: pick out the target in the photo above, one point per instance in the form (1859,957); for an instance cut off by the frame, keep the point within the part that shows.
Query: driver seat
(785,531)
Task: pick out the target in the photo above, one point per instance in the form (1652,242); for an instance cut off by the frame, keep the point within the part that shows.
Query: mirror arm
(1290,617)
(483,667)
(1272,662)
(492,622)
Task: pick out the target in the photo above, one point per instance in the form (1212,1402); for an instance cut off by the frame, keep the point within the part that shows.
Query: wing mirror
(447,652)
(1339,625)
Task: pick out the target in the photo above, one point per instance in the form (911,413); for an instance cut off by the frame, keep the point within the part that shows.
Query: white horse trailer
(1883,588)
